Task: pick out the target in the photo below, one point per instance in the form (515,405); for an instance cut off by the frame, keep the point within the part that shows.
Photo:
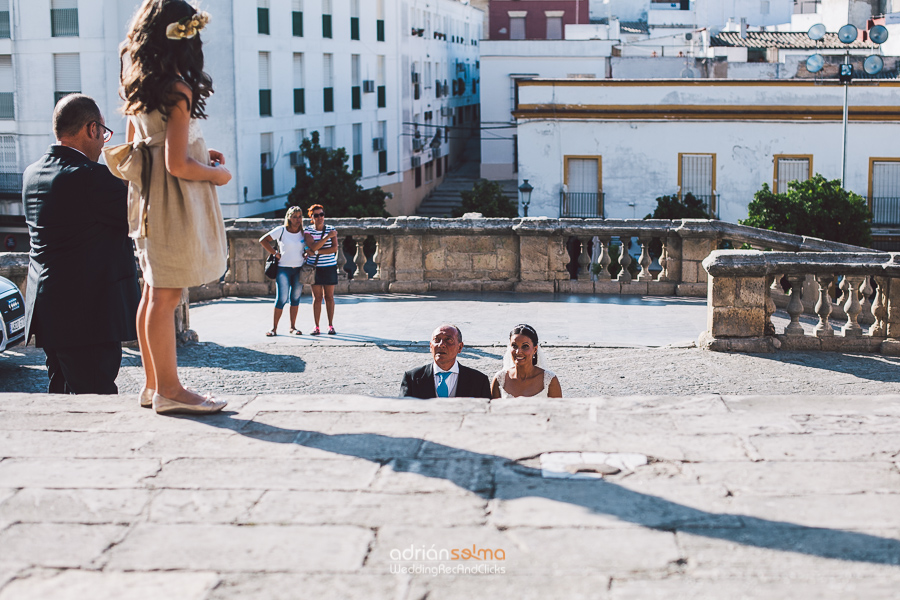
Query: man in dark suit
(445,377)
(82,294)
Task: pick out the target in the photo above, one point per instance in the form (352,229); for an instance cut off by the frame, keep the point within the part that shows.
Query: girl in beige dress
(174,213)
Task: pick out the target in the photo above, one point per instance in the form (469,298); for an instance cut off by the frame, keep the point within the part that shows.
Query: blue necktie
(443,391)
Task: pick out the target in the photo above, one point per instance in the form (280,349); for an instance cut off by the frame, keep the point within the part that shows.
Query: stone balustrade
(418,254)
(744,283)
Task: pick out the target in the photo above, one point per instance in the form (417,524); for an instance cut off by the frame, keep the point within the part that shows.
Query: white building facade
(610,148)
(281,69)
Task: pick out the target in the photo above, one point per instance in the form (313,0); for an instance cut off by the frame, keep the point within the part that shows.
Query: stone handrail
(418,254)
(743,286)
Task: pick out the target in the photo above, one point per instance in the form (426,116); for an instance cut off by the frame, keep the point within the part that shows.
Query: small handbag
(272,263)
(308,272)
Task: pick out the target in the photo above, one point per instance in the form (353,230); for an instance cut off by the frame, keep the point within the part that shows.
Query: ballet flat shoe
(147,398)
(167,406)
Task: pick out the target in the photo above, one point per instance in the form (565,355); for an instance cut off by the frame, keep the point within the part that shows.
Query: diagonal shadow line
(490,476)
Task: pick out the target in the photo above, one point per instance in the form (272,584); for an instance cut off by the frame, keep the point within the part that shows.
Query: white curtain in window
(354,69)
(297,5)
(264,78)
(697,174)
(298,70)
(7,83)
(327,70)
(326,7)
(791,169)
(582,175)
(67,72)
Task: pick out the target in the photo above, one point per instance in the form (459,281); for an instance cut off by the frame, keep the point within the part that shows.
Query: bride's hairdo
(529,332)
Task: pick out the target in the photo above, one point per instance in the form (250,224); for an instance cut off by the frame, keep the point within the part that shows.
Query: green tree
(486,197)
(323,178)
(673,207)
(816,207)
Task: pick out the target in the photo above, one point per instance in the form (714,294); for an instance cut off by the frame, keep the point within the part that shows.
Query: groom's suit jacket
(419,383)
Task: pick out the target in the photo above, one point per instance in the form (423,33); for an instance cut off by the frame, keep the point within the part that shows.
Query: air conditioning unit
(378,144)
(418,144)
(296,158)
(368,86)
(415,77)
(415,161)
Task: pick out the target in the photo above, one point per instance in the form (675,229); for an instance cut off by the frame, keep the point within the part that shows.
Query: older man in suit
(82,294)
(444,376)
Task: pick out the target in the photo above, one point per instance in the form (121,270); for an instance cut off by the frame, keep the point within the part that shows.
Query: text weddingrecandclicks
(483,561)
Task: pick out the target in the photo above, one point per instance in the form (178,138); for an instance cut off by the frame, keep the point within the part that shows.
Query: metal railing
(581,204)
(886,211)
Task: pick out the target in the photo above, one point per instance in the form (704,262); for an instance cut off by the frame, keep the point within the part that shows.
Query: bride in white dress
(525,373)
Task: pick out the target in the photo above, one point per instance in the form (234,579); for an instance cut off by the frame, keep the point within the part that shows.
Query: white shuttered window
(790,168)
(886,192)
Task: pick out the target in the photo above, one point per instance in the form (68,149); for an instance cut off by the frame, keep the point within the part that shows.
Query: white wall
(502,59)
(640,157)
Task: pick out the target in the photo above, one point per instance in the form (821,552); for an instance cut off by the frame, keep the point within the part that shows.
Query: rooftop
(784,40)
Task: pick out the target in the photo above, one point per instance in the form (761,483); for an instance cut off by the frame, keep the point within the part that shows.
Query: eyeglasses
(317,215)
(107,132)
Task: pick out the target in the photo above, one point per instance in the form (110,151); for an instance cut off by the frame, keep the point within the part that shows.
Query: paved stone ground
(789,494)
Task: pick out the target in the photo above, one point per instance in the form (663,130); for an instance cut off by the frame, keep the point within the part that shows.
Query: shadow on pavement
(236,358)
(507,480)
(875,367)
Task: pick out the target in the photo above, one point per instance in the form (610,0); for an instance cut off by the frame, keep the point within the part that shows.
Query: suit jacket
(419,383)
(82,282)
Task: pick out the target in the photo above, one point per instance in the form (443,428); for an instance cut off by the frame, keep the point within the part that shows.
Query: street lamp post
(872,65)
(525,189)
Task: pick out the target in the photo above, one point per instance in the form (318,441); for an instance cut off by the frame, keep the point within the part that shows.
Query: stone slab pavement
(767,476)
(342,496)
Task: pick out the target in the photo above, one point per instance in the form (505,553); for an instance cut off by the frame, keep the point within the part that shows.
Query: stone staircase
(446,197)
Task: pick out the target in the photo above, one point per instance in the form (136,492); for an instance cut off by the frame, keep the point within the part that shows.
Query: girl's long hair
(155,63)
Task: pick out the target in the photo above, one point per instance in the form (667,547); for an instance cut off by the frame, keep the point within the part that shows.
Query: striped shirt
(325,260)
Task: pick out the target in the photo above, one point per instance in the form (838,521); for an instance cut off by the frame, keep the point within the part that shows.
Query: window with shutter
(5,31)
(299,92)
(790,168)
(66,75)
(63,18)
(581,195)
(267,167)
(7,88)
(265,86)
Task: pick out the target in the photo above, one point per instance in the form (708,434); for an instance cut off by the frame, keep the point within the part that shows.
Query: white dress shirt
(451,381)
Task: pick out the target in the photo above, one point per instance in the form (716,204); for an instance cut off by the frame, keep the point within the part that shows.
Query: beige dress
(176,224)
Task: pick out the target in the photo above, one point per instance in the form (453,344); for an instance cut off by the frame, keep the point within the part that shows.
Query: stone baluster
(376,258)
(341,257)
(851,285)
(663,261)
(865,291)
(770,305)
(360,258)
(645,261)
(795,306)
(823,306)
(584,259)
(624,261)
(879,310)
(604,259)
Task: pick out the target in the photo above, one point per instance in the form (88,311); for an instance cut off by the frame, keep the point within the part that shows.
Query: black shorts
(326,275)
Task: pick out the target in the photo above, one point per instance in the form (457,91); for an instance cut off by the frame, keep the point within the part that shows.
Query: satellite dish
(873,65)
(878,34)
(848,33)
(815,63)
(816,32)
(687,73)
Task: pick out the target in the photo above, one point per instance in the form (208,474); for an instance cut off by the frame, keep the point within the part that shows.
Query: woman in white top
(524,373)
(291,253)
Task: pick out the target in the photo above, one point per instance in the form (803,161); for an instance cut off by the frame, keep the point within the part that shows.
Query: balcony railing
(64,22)
(886,211)
(581,205)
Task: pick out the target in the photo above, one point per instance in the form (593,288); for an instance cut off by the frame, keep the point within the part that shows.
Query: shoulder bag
(272,261)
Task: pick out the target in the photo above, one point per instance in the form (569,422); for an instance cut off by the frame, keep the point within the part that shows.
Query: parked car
(12,315)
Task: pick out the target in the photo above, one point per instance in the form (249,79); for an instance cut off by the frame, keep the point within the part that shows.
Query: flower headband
(187,27)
